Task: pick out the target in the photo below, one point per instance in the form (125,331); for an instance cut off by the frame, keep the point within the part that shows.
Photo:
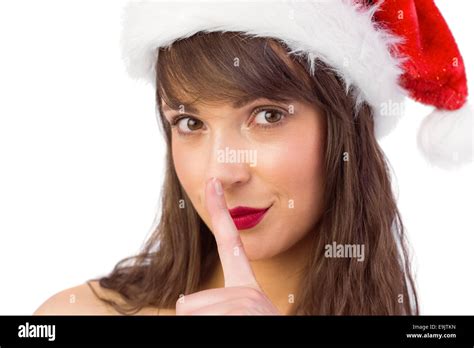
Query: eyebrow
(237,104)
(188,108)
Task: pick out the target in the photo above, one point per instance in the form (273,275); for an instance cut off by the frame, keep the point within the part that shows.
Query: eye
(269,117)
(186,124)
(265,117)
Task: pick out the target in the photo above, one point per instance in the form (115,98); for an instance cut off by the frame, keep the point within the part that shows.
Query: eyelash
(175,119)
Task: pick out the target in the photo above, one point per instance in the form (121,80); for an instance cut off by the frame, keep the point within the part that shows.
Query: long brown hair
(359,204)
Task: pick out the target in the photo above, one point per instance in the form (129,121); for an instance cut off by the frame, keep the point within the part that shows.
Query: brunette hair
(359,206)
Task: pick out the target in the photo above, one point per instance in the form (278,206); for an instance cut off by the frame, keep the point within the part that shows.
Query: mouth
(246,217)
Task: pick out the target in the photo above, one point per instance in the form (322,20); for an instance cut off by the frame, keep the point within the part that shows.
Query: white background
(81,161)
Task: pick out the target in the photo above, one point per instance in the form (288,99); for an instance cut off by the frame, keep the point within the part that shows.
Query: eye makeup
(176,119)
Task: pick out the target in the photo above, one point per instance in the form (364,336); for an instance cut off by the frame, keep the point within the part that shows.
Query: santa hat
(382,51)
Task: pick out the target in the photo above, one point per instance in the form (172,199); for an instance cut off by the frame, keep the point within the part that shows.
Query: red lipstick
(246,217)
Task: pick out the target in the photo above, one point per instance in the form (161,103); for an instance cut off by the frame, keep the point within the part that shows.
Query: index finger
(235,264)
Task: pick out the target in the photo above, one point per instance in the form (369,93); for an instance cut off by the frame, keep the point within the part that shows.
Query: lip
(247,217)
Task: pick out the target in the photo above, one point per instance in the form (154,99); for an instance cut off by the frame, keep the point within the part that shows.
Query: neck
(279,276)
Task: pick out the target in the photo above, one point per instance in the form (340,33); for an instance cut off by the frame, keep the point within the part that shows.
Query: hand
(241,295)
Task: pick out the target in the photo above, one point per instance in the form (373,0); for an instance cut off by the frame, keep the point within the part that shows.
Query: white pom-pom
(445,137)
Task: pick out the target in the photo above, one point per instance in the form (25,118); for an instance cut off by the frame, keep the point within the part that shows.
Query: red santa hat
(382,50)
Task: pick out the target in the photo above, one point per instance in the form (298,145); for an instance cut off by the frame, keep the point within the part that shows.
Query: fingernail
(218,187)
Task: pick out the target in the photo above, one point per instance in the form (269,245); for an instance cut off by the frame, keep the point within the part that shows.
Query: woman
(277,197)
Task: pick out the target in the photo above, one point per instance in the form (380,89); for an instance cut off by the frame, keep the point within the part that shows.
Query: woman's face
(266,154)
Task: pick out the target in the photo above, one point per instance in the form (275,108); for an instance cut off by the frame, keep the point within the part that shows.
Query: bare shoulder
(78,300)
(81,300)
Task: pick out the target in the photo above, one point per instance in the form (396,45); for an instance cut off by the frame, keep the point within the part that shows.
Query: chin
(258,250)
(259,255)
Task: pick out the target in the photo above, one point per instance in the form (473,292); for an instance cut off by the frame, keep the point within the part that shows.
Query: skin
(263,276)
(288,176)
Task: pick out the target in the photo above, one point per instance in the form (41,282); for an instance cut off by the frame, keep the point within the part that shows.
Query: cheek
(190,166)
(293,169)
(304,173)
(305,182)
(294,166)
(307,176)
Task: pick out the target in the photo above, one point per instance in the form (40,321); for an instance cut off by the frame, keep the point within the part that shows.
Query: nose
(230,160)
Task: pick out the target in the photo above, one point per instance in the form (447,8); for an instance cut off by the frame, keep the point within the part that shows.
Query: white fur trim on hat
(339,33)
(445,137)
